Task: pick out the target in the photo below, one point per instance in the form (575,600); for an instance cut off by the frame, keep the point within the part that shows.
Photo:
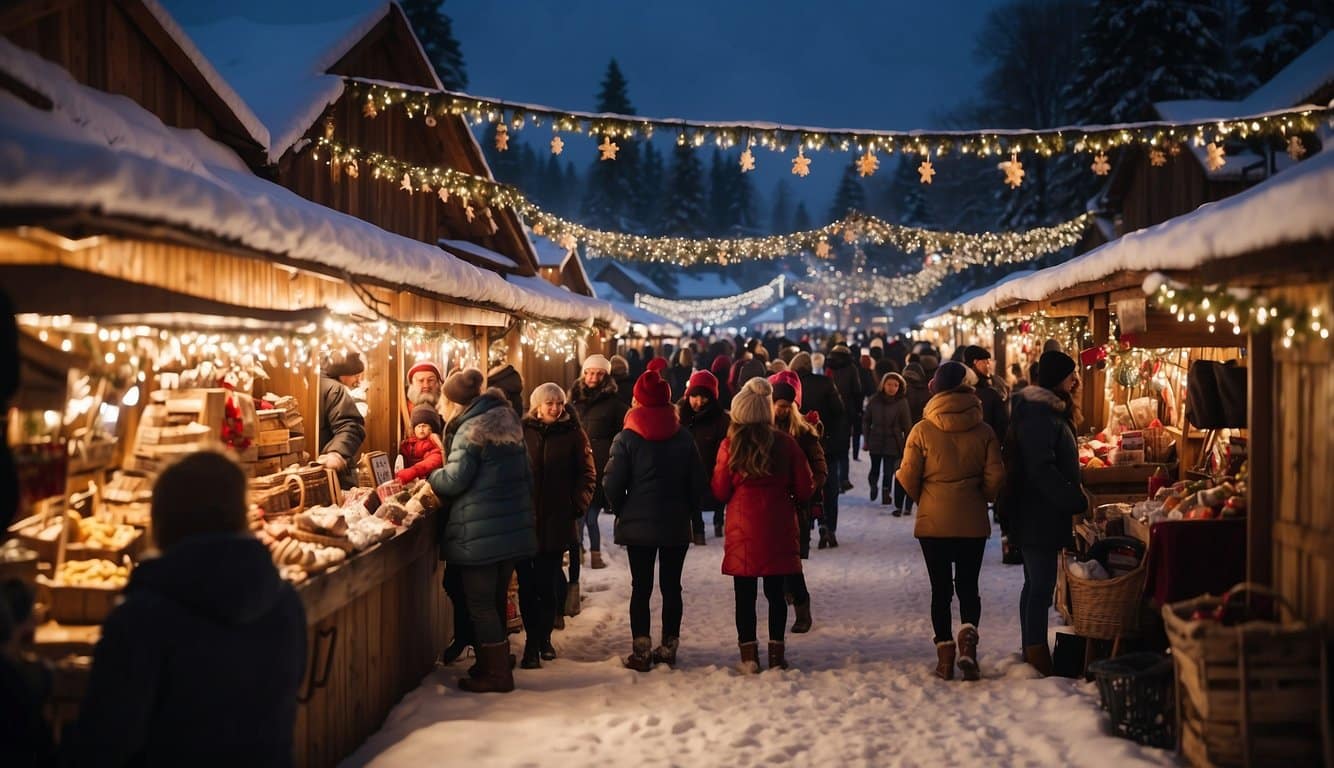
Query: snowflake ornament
(867,163)
(557,146)
(801,165)
(822,248)
(502,138)
(1157,158)
(1100,165)
(1216,158)
(1174,149)
(926,171)
(406,183)
(608,149)
(1296,149)
(1014,171)
(747,160)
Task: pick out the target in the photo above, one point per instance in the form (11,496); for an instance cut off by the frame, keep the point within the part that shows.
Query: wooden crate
(78,551)
(80,605)
(271,419)
(272,442)
(1250,692)
(206,406)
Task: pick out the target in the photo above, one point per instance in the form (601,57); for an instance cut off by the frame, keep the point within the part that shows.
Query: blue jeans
(1035,598)
(590,522)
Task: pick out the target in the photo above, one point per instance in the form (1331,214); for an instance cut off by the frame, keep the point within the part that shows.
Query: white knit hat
(598,362)
(754,404)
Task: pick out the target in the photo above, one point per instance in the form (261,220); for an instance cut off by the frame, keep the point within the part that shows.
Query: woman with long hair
(563,482)
(952,467)
(653,483)
(761,475)
(788,418)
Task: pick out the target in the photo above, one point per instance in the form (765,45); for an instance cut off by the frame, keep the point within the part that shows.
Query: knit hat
(801,363)
(651,390)
(972,353)
(425,365)
(346,364)
(950,375)
(1051,345)
(543,393)
(721,365)
(914,372)
(841,349)
(787,386)
(597,361)
(1053,368)
(464,386)
(658,364)
(619,366)
(702,383)
(754,404)
(425,414)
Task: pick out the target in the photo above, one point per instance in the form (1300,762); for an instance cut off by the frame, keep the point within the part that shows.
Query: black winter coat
(995,405)
(847,378)
(602,415)
(654,480)
(819,394)
(342,429)
(708,427)
(678,377)
(563,478)
(625,392)
(200,665)
(918,394)
(886,423)
(1042,471)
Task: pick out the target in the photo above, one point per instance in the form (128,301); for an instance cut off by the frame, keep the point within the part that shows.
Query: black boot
(532,658)
(455,649)
(833,540)
(872,484)
(548,651)
(803,620)
(824,538)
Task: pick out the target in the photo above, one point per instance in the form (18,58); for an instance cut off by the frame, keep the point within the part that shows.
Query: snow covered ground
(860,691)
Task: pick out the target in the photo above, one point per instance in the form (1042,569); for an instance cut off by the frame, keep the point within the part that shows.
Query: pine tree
(1274,32)
(649,190)
(609,201)
(506,166)
(849,196)
(720,195)
(684,213)
(780,218)
(435,31)
(911,210)
(801,219)
(1136,53)
(741,210)
(571,191)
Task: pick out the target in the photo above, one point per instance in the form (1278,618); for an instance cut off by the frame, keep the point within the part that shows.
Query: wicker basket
(1136,691)
(1248,694)
(279,494)
(1105,609)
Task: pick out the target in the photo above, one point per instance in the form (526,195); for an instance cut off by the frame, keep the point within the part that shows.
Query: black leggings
(671,561)
(485,588)
(953,566)
(453,583)
(746,588)
(538,581)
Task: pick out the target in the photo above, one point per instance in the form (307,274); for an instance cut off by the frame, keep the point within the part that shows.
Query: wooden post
(1001,370)
(1262,504)
(1095,389)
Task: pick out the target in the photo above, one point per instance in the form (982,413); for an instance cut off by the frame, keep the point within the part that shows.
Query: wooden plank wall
(1303,522)
(1155,195)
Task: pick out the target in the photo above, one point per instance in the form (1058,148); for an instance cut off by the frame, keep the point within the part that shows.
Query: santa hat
(425,365)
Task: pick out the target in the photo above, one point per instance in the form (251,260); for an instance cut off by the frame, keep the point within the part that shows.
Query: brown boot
(495,675)
(641,655)
(803,619)
(967,645)
(750,658)
(666,653)
(945,660)
(595,560)
(776,658)
(1039,658)
(572,602)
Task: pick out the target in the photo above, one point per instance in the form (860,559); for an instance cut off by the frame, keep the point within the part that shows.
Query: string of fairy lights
(609,128)
(1239,309)
(712,312)
(473,192)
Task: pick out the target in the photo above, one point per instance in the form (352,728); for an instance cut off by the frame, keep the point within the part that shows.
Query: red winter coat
(760,533)
(420,459)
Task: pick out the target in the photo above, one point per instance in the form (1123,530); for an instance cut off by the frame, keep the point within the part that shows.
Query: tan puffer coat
(952,467)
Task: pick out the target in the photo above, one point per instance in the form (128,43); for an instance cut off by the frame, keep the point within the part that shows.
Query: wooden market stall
(151,251)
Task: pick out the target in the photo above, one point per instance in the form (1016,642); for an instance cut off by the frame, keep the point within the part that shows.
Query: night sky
(833,63)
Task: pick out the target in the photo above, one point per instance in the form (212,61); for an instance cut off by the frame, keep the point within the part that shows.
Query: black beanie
(1053,368)
(425,414)
(348,364)
(972,353)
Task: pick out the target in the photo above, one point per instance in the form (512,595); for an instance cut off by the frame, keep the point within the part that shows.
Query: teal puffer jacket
(486,486)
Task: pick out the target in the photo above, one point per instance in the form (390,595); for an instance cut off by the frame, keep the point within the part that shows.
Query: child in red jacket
(423,453)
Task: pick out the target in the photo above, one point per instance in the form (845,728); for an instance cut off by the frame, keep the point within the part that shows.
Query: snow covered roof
(591,308)
(641,316)
(709,285)
(96,151)
(1290,207)
(278,66)
(549,253)
(609,292)
(479,252)
(635,276)
(970,295)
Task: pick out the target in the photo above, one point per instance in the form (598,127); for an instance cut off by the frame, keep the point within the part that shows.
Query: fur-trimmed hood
(490,420)
(1035,394)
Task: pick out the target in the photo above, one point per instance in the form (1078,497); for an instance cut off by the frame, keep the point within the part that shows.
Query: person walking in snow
(563,482)
(886,422)
(486,484)
(700,412)
(821,396)
(952,467)
(602,413)
(761,475)
(1044,493)
(788,418)
(653,483)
